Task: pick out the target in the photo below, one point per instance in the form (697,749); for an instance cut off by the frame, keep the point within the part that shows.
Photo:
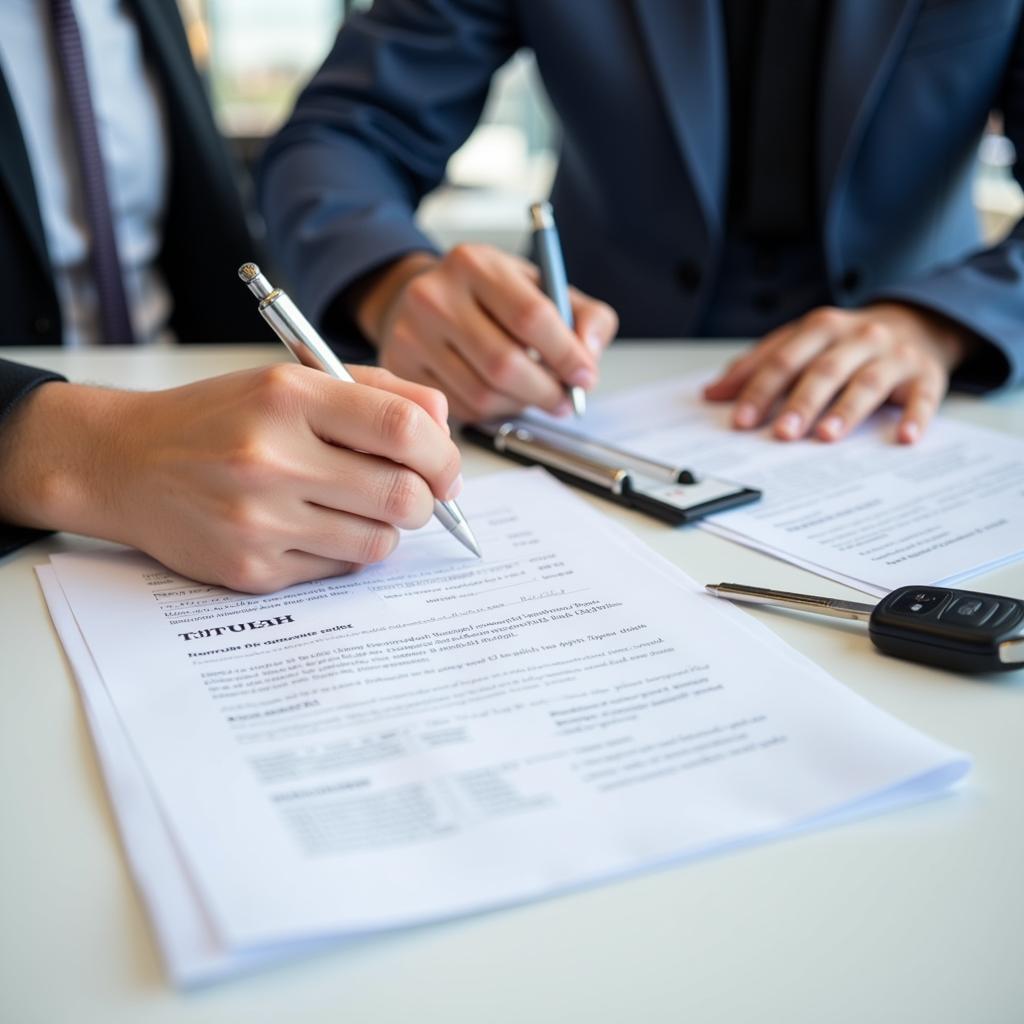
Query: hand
(467,324)
(254,480)
(833,368)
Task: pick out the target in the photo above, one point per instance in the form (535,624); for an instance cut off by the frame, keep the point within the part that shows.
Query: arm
(17,382)
(371,135)
(254,480)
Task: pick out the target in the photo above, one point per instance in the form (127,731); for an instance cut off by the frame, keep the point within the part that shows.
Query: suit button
(689,275)
(42,324)
(851,279)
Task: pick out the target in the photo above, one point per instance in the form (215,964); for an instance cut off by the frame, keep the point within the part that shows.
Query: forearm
(58,452)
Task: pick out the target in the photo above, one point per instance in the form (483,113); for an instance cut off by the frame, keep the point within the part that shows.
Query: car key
(955,629)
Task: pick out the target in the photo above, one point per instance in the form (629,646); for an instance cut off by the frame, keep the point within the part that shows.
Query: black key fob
(955,629)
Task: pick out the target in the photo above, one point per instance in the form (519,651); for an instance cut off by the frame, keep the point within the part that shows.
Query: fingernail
(745,415)
(594,342)
(910,432)
(456,488)
(789,424)
(584,377)
(563,409)
(831,426)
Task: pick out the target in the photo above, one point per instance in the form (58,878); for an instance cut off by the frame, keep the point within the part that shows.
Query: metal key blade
(785,599)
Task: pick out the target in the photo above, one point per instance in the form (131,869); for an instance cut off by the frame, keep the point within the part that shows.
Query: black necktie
(106,265)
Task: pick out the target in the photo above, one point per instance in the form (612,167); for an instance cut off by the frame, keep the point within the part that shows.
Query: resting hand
(466,323)
(255,480)
(832,368)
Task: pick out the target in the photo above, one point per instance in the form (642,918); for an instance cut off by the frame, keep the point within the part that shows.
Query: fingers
(596,322)
(769,378)
(344,538)
(822,381)
(504,366)
(387,425)
(367,486)
(738,372)
(518,305)
(428,398)
(868,388)
(924,396)
(472,400)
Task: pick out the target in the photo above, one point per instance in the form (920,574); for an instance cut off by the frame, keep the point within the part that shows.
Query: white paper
(869,512)
(382,787)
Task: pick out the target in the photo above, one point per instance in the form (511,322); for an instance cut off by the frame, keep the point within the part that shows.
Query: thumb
(596,322)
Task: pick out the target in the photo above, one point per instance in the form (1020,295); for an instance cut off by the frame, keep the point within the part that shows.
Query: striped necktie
(106,264)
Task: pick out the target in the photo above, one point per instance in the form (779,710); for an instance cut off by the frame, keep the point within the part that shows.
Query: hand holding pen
(466,322)
(301,339)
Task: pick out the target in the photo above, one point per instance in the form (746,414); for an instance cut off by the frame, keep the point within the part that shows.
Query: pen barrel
(548,252)
(300,336)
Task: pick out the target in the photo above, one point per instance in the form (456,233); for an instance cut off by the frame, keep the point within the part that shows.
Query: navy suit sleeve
(16,381)
(985,293)
(370,135)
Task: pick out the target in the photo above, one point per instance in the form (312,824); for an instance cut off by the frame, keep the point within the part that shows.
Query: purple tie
(106,265)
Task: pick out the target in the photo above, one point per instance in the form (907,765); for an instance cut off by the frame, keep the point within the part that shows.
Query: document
(868,512)
(437,735)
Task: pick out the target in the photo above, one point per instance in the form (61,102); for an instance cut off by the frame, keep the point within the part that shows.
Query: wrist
(952,342)
(375,297)
(60,454)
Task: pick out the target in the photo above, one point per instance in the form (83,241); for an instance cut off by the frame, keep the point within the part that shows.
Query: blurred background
(257,54)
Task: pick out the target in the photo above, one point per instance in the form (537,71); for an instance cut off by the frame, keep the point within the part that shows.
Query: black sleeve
(16,381)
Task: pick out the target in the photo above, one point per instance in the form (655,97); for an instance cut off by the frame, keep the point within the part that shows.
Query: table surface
(911,916)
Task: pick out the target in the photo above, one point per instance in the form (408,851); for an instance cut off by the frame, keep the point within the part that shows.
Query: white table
(914,916)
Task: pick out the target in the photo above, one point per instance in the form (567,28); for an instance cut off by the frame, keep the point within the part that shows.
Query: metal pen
(306,345)
(553,278)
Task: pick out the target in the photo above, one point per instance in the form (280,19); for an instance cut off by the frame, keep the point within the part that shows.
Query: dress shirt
(133,137)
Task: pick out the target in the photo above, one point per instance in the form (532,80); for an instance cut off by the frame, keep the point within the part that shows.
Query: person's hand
(254,480)
(476,324)
(832,368)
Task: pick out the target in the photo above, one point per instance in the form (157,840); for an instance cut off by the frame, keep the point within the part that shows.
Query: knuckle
(247,572)
(423,294)
(527,316)
(278,386)
(375,544)
(874,332)
(253,462)
(871,378)
(828,367)
(465,257)
(827,318)
(501,367)
(783,362)
(399,424)
(400,496)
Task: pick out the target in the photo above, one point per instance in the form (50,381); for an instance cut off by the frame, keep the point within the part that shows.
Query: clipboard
(672,494)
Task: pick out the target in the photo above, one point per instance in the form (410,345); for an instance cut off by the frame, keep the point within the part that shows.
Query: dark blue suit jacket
(640,89)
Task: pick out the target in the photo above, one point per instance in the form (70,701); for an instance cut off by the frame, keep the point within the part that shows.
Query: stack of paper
(438,735)
(868,512)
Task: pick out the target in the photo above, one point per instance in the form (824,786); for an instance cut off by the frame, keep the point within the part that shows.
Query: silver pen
(553,278)
(306,345)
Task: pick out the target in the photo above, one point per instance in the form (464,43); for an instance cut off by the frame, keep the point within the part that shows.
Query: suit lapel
(865,39)
(684,40)
(16,175)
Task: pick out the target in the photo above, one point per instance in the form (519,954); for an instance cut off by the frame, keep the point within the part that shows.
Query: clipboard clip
(662,490)
(512,438)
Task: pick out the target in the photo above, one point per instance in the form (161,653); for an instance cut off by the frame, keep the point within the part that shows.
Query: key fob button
(919,602)
(969,610)
(1006,611)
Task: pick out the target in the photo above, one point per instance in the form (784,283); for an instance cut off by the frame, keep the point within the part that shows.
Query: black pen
(553,279)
